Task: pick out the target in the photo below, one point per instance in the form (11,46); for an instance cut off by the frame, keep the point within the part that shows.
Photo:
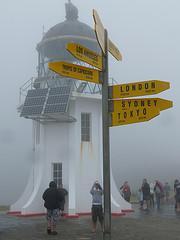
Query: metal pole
(106,147)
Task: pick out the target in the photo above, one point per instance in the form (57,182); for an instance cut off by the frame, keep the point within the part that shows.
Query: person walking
(146,193)
(152,194)
(52,197)
(96,210)
(126,191)
(158,189)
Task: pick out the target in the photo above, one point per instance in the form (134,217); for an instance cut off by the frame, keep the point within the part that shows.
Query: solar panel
(57,99)
(34,102)
(58,108)
(43,101)
(30,101)
(60,90)
(34,110)
(37,92)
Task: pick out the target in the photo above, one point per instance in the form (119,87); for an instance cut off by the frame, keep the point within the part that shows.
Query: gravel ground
(140,225)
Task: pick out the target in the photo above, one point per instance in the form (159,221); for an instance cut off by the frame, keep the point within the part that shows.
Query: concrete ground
(139,225)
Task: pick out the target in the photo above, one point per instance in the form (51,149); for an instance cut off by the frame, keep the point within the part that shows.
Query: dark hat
(52,184)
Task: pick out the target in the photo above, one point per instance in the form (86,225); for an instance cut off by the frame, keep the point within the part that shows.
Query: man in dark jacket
(51,198)
(146,193)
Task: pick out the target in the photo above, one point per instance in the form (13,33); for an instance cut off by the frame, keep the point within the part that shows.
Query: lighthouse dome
(53,44)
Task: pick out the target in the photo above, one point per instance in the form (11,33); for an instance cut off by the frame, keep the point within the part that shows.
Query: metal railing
(78,86)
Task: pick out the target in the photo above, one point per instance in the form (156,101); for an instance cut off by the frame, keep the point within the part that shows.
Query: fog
(147,34)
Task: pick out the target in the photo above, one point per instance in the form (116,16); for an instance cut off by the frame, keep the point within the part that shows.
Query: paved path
(140,225)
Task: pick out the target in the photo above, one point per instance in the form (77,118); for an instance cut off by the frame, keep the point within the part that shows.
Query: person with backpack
(52,197)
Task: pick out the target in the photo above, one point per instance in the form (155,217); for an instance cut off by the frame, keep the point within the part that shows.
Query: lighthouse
(67,125)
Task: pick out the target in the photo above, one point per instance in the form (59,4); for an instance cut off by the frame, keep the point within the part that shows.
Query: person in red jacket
(126,191)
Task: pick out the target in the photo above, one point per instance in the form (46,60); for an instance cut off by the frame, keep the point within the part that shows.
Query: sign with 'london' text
(135,89)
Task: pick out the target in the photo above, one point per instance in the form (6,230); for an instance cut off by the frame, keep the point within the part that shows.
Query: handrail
(92,88)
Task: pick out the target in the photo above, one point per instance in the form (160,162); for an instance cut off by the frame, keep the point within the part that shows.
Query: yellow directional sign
(85,54)
(139,103)
(129,116)
(99,30)
(137,89)
(76,71)
(114,51)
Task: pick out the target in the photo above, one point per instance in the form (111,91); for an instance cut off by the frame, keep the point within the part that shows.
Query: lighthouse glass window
(85,127)
(57,173)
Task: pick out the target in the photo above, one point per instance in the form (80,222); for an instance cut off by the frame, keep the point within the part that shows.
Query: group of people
(156,190)
(149,192)
(54,200)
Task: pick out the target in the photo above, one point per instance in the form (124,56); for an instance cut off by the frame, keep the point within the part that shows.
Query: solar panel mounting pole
(106,146)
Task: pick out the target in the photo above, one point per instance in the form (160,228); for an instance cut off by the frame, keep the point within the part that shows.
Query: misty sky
(147,34)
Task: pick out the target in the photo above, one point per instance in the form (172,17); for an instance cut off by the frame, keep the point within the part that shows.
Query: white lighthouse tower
(67,126)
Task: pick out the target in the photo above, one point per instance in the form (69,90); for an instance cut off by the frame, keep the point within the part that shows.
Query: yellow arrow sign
(139,103)
(129,116)
(99,30)
(114,51)
(137,89)
(75,71)
(85,54)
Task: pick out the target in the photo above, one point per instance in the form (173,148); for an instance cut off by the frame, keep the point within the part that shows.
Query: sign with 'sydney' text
(76,71)
(138,89)
(144,103)
(85,54)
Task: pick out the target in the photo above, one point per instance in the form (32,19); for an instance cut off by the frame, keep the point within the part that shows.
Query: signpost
(115,111)
(106,145)
(137,89)
(85,54)
(76,71)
